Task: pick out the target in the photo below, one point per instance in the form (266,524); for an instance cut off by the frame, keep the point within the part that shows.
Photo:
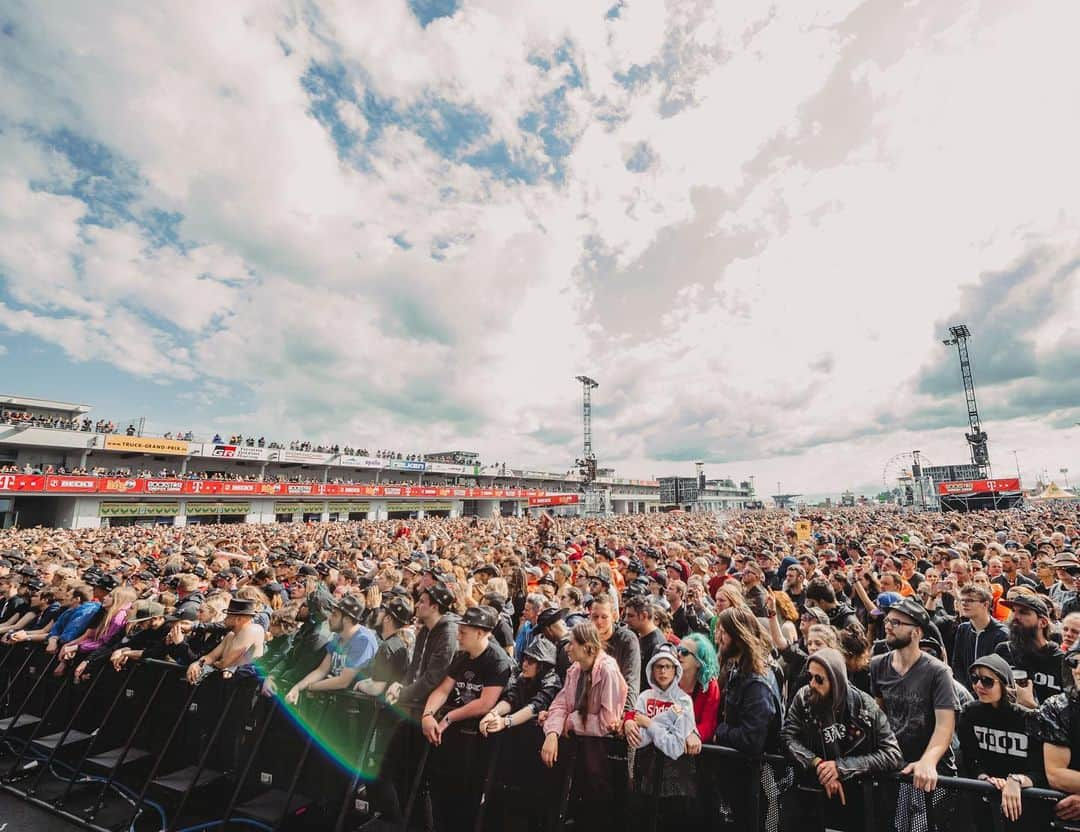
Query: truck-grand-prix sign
(73,484)
(946,489)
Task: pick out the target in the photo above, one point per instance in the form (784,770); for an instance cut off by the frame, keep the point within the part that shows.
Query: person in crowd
(553,628)
(620,642)
(700,669)
(834,732)
(474,681)
(351,646)
(109,630)
(238,650)
(663,722)
(996,740)
(753,711)
(529,694)
(145,629)
(591,703)
(639,615)
(979,635)
(916,692)
(391,659)
(819,593)
(1030,650)
(1057,726)
(435,645)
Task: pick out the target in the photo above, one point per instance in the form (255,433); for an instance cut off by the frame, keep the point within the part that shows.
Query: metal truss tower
(977,439)
(588,460)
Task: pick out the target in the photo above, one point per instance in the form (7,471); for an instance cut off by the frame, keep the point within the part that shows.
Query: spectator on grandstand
(916,692)
(1030,651)
(833,732)
(752,713)
(530,693)
(976,637)
(351,646)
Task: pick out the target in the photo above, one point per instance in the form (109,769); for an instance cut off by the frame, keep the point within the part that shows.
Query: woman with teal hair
(700,667)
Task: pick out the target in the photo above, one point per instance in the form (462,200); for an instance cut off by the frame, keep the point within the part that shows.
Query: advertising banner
(555,500)
(361,462)
(448,468)
(978,486)
(419,506)
(21,482)
(297,488)
(350,508)
(200,509)
(114,485)
(297,508)
(107,509)
(304,457)
(146,445)
(235,487)
(71,485)
(407,465)
(234,452)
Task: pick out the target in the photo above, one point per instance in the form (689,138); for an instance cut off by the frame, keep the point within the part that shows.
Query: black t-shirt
(649,644)
(488,670)
(998,741)
(390,662)
(16,605)
(503,634)
(1042,667)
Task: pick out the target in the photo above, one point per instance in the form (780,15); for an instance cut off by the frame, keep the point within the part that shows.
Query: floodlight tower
(588,460)
(980,455)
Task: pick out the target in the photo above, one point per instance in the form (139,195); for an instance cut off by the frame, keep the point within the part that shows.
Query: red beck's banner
(978,486)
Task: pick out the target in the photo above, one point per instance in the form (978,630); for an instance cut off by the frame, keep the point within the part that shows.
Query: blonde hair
(120,599)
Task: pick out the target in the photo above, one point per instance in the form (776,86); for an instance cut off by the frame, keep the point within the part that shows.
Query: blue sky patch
(427,11)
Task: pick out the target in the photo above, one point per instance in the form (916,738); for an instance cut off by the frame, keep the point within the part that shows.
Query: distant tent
(1054,492)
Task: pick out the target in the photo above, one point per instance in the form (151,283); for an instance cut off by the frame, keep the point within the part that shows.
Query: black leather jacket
(860,739)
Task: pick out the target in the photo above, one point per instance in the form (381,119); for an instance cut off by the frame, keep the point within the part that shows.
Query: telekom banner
(977,486)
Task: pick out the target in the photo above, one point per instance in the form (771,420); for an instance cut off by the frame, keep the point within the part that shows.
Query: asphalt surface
(17,816)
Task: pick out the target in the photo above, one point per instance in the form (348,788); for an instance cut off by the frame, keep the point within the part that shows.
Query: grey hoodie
(671,710)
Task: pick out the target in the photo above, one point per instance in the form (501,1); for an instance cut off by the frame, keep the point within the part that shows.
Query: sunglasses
(683,651)
(985,682)
(817,678)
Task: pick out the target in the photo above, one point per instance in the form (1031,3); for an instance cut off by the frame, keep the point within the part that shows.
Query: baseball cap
(884,601)
(145,610)
(1031,602)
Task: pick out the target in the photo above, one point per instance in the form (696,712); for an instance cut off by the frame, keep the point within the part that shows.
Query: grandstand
(60,467)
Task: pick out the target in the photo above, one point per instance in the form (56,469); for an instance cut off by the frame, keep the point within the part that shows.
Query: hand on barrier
(118,658)
(1069,808)
(293,696)
(693,745)
(433,729)
(1011,803)
(924,775)
(492,723)
(67,652)
(827,772)
(194,672)
(268,687)
(836,789)
(392,693)
(549,752)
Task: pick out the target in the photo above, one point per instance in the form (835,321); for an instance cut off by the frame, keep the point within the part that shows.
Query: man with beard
(834,732)
(1029,650)
(351,646)
(308,646)
(916,692)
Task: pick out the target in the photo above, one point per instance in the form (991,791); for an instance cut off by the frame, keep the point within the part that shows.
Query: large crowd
(874,642)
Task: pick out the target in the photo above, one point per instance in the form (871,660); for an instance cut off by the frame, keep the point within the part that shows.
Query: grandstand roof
(44,404)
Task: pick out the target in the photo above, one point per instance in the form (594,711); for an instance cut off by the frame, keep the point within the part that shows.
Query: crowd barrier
(142,749)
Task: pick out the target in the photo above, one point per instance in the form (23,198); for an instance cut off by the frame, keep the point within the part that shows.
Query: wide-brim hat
(241,606)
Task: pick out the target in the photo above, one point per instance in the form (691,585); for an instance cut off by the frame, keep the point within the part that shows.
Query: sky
(411,223)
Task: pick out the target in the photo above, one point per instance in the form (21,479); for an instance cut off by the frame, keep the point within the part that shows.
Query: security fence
(141,749)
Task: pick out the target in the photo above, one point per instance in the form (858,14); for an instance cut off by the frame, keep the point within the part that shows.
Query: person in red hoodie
(700,670)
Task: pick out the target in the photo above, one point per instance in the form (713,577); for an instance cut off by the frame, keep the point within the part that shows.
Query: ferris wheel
(899,466)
